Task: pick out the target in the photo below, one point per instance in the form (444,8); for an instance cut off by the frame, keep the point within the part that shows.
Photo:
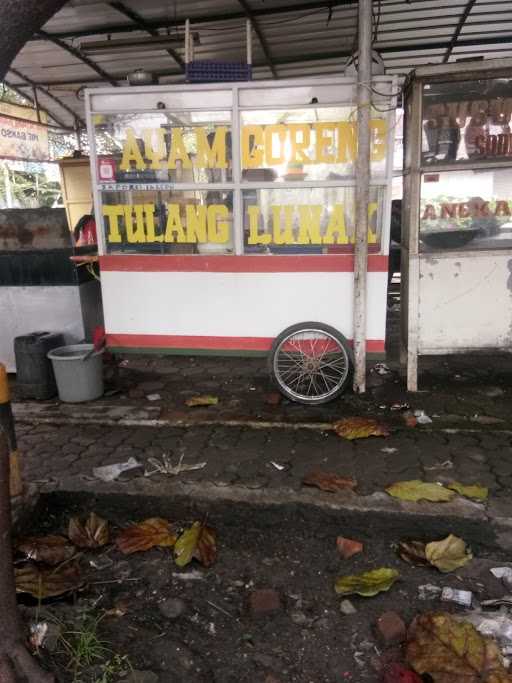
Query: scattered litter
(193,575)
(496,625)
(400,406)
(211,629)
(445,465)
(278,465)
(429,592)
(220,609)
(49,549)
(123,364)
(348,547)
(409,418)
(505,601)
(389,450)
(165,466)
(38,633)
(422,418)
(101,562)
(347,608)
(153,397)
(328,481)
(464,598)
(367,584)
(504,574)
(49,582)
(381,369)
(359,428)
(111,472)
(197,401)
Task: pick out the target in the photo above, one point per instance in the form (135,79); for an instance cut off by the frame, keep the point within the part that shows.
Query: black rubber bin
(34,371)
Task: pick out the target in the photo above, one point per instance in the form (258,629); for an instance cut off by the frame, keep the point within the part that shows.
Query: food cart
(457,219)
(227,214)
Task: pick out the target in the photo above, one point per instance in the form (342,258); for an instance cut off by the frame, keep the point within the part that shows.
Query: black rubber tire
(323,328)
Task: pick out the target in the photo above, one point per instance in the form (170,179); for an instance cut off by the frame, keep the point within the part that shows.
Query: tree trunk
(19,20)
(16,664)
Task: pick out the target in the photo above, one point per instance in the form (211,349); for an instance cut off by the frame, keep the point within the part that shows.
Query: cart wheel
(311,363)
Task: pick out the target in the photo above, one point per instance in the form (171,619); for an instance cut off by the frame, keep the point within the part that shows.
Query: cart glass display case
(226,211)
(457,210)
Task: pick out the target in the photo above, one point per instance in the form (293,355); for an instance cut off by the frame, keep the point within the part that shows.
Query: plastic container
(78,378)
(34,372)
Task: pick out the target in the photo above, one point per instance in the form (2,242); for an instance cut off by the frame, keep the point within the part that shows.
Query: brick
(391,628)
(264,601)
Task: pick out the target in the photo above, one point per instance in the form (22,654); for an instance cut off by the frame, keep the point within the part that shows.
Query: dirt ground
(209,632)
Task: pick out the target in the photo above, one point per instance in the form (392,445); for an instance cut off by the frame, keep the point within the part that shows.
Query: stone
(264,601)
(347,608)
(299,618)
(391,628)
(172,608)
(141,677)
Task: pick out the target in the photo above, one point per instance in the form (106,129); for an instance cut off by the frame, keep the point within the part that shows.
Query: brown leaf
(413,552)
(49,549)
(452,651)
(146,535)
(93,534)
(359,428)
(199,542)
(328,481)
(273,399)
(348,547)
(48,583)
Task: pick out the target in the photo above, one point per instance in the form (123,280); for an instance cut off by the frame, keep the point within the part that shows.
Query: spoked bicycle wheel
(311,363)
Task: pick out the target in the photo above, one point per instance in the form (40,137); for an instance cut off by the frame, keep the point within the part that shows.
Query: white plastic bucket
(78,378)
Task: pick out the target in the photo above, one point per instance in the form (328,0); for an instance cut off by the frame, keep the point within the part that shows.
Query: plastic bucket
(78,378)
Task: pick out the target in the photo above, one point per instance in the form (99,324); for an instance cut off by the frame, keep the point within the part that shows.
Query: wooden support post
(7,425)
(362,190)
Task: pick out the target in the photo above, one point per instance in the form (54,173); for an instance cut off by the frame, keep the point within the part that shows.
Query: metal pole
(362,192)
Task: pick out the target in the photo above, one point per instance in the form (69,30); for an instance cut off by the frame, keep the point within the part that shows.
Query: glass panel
(298,95)
(170,99)
(182,147)
(179,222)
(467,120)
(306,220)
(306,144)
(466,210)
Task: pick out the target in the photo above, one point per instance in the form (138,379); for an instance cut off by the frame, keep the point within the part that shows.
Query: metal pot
(141,77)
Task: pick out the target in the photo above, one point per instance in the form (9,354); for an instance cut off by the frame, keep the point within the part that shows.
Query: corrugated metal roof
(301,38)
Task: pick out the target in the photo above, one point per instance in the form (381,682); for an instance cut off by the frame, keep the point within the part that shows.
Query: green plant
(117,666)
(84,648)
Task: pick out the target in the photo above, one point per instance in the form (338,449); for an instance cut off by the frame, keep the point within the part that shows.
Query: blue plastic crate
(208,71)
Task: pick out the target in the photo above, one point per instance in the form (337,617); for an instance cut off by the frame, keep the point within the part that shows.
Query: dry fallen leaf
(49,549)
(196,401)
(367,584)
(359,428)
(146,535)
(348,547)
(273,399)
(93,534)
(410,419)
(413,552)
(328,481)
(48,583)
(199,542)
(452,651)
(473,491)
(415,490)
(448,554)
